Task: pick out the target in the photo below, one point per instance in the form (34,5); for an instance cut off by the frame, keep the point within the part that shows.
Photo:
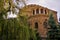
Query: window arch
(37,11)
(36,24)
(45,12)
(33,12)
(41,10)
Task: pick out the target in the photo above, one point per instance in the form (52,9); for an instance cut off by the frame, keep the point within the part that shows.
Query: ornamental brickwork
(38,16)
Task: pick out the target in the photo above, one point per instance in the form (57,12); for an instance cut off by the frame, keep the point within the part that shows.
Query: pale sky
(51,4)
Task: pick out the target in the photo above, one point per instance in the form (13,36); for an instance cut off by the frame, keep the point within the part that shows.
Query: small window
(37,11)
(33,12)
(45,12)
(36,25)
(41,10)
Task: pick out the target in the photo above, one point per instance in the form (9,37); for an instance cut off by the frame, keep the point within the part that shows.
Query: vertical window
(36,25)
(41,10)
(45,12)
(33,12)
(37,11)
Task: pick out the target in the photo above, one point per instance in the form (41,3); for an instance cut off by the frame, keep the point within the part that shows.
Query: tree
(13,28)
(52,32)
(37,36)
(58,35)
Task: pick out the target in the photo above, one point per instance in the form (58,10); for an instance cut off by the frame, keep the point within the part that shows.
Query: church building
(37,18)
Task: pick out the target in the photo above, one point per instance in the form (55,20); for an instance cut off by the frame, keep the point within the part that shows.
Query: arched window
(33,12)
(36,25)
(41,10)
(37,11)
(45,12)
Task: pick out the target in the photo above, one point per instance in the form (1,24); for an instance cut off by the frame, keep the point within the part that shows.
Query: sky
(51,4)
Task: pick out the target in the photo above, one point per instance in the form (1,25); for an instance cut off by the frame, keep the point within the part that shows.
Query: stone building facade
(37,17)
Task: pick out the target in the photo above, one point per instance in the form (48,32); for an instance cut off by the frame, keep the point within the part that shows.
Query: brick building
(37,17)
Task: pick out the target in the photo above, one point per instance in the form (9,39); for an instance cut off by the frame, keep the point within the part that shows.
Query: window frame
(33,12)
(37,11)
(41,10)
(36,25)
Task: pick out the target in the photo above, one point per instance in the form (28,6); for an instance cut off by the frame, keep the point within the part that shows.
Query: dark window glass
(45,12)
(37,11)
(36,25)
(41,10)
(33,12)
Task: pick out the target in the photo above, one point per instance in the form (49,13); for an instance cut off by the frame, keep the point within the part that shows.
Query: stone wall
(38,17)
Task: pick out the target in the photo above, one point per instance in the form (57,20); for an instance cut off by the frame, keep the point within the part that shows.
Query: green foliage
(38,36)
(32,34)
(52,32)
(1,5)
(14,28)
(51,21)
(25,30)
